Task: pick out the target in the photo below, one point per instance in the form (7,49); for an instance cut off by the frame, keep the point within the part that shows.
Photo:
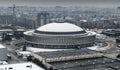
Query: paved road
(12,52)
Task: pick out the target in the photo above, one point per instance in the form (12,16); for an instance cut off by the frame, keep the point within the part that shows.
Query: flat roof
(2,30)
(64,53)
(101,63)
(21,66)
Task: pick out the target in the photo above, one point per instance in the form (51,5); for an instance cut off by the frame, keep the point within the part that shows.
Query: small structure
(113,32)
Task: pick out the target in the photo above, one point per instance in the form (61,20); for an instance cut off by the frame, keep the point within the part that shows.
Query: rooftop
(101,63)
(65,53)
(59,27)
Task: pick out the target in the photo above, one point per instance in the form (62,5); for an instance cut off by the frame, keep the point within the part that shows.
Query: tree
(118,56)
(24,48)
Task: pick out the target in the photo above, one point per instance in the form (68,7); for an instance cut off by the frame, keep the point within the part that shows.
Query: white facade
(60,27)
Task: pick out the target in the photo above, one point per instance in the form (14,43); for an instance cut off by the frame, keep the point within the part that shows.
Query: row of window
(60,41)
(60,46)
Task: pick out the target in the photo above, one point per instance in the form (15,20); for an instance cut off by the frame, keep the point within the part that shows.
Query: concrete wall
(60,40)
(67,58)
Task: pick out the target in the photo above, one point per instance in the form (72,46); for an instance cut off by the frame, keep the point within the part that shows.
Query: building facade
(42,18)
(59,36)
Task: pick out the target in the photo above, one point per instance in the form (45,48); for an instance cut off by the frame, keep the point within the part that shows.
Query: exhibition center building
(59,36)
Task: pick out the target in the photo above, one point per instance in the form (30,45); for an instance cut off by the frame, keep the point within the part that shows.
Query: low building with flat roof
(101,63)
(67,55)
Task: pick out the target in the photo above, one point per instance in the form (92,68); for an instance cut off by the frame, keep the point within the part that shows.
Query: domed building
(59,36)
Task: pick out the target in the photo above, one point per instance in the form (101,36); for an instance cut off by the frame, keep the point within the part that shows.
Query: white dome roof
(60,27)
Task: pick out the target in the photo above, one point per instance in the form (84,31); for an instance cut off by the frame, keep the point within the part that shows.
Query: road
(12,52)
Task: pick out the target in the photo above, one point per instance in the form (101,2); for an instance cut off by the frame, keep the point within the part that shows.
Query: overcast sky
(82,3)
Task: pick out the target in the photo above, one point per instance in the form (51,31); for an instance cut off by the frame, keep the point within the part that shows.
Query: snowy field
(21,66)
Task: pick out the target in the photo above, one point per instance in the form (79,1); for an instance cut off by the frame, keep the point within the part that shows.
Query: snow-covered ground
(99,48)
(21,66)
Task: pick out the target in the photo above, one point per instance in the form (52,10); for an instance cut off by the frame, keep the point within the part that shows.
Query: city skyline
(66,3)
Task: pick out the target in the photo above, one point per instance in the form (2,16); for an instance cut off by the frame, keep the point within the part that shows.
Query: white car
(24,54)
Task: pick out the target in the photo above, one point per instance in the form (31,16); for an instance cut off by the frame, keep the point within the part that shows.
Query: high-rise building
(42,18)
(6,19)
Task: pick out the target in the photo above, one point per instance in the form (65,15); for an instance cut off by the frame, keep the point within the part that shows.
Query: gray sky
(82,3)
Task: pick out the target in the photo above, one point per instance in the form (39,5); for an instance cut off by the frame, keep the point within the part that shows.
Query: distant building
(6,19)
(42,18)
(113,32)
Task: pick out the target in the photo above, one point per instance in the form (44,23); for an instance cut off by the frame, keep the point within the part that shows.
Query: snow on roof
(24,52)
(32,49)
(2,30)
(98,48)
(29,32)
(2,46)
(21,66)
(60,27)
(20,29)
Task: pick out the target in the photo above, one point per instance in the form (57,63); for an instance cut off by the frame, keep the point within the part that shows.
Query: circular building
(59,36)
